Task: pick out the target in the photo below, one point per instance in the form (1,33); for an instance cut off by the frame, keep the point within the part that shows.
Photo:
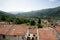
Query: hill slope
(45,13)
(2,13)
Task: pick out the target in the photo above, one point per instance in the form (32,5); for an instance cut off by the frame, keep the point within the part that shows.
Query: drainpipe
(37,34)
(18,37)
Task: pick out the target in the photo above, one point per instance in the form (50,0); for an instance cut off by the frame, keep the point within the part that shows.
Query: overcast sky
(27,5)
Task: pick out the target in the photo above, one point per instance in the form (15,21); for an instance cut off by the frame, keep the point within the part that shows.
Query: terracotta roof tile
(17,30)
(46,34)
(43,33)
(32,30)
(57,29)
(6,29)
(1,29)
(13,29)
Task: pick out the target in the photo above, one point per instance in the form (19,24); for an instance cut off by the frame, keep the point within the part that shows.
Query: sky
(27,5)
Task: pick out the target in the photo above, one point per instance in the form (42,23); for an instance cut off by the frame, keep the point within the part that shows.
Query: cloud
(52,0)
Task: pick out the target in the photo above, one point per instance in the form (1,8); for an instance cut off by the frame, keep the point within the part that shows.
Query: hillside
(44,13)
(2,13)
(5,16)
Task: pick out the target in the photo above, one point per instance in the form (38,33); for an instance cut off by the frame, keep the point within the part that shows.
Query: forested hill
(2,13)
(44,13)
(5,16)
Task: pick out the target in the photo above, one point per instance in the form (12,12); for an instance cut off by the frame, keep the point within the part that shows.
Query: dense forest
(53,13)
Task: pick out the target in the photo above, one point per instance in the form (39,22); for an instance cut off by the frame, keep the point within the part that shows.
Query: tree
(9,19)
(32,22)
(16,21)
(3,18)
(40,26)
(39,23)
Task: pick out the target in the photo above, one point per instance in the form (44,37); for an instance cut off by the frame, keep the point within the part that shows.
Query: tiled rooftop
(46,34)
(43,33)
(57,29)
(32,30)
(13,29)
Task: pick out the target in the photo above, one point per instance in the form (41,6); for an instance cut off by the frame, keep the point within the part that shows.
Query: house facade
(31,33)
(17,32)
(13,32)
(11,37)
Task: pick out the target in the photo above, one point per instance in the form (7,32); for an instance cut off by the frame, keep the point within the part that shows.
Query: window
(4,36)
(32,38)
(34,35)
(30,28)
(29,34)
(14,35)
(28,38)
(22,37)
(36,38)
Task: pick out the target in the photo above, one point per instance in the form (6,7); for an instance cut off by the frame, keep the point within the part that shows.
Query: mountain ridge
(44,13)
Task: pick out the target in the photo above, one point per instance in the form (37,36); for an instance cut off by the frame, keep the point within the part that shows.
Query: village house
(5,23)
(16,32)
(58,22)
(45,23)
(57,29)
(12,32)
(24,32)
(32,33)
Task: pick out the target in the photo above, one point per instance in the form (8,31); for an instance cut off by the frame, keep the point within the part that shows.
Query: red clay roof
(13,29)
(18,30)
(46,34)
(32,30)
(57,29)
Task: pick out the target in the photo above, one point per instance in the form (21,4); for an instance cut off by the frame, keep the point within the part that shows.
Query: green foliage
(20,21)
(39,21)
(7,38)
(10,18)
(32,22)
(40,26)
(2,18)
(51,13)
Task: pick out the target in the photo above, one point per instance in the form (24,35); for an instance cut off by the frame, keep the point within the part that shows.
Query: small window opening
(29,34)
(4,36)
(30,28)
(34,35)
(22,37)
(32,38)
(14,35)
(28,38)
(36,38)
